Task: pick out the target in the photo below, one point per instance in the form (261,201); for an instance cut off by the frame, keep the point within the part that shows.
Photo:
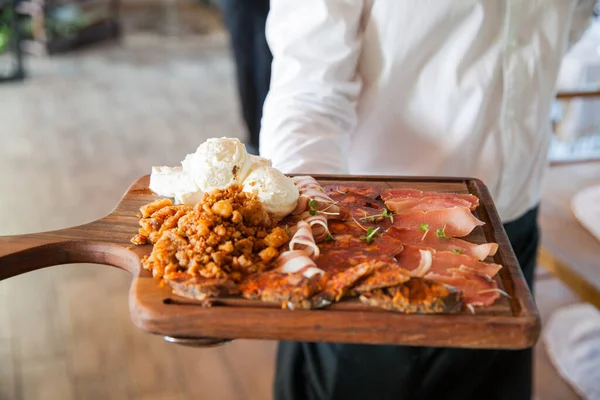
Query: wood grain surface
(510,323)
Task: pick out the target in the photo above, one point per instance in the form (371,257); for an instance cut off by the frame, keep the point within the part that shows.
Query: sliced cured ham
(296,261)
(445,261)
(429,239)
(311,191)
(425,263)
(303,240)
(399,194)
(413,258)
(422,262)
(300,258)
(417,262)
(449,222)
(318,225)
(428,203)
(477,289)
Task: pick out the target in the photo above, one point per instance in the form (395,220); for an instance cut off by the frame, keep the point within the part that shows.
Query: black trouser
(245,20)
(307,371)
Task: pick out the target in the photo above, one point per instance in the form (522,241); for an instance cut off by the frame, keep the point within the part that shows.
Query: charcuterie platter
(356,259)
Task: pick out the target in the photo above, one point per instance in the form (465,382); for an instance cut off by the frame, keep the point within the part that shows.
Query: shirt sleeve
(310,108)
(582,19)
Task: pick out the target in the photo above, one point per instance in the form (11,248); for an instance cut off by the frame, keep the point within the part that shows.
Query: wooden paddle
(509,323)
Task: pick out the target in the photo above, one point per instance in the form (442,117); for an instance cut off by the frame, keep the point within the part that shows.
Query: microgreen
(370,234)
(425,228)
(312,204)
(313,211)
(384,214)
(441,232)
(456,251)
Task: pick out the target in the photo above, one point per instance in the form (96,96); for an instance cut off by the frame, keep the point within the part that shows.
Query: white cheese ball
(219,163)
(274,190)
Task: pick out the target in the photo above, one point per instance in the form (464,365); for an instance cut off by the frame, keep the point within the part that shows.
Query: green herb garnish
(424,228)
(312,204)
(441,232)
(384,214)
(456,251)
(329,238)
(312,210)
(370,233)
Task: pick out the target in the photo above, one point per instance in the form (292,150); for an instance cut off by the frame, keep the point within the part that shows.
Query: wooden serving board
(511,323)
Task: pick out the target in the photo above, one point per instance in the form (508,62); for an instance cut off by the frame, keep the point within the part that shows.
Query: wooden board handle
(25,253)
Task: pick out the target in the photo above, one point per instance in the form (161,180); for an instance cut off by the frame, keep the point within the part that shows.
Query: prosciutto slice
(430,240)
(309,190)
(400,206)
(451,222)
(444,261)
(477,289)
(423,262)
(401,194)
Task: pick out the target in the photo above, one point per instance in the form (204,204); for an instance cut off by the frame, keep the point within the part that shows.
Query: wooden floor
(73,137)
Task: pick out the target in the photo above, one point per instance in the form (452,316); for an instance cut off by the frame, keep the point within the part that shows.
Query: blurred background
(95,92)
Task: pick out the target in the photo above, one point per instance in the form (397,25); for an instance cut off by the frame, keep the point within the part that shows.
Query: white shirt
(419,87)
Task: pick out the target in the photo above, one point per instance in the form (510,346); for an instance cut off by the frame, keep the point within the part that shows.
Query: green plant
(5,31)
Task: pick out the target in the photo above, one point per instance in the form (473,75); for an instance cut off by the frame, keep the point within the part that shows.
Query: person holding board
(413,87)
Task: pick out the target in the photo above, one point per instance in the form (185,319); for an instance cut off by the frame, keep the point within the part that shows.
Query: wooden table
(568,250)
